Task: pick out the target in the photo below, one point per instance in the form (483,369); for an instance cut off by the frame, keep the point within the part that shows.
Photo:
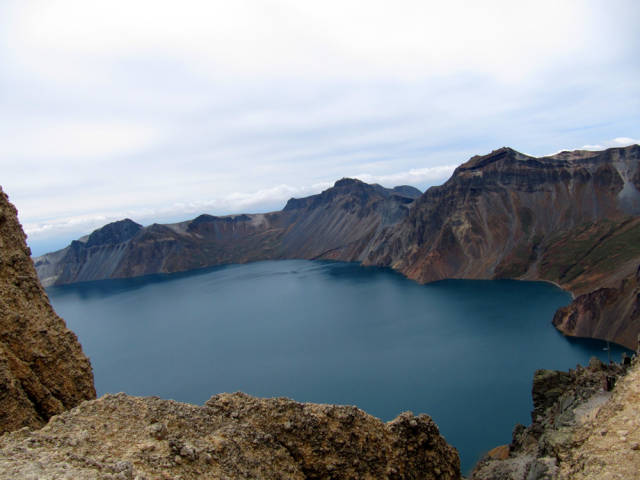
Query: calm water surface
(462,351)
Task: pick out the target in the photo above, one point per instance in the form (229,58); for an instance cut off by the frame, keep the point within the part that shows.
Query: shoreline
(573,295)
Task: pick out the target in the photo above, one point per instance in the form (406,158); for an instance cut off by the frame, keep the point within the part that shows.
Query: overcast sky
(159,110)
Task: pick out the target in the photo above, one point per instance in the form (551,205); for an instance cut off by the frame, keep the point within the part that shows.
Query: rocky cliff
(42,368)
(581,428)
(572,218)
(610,313)
(339,224)
(510,215)
(232,436)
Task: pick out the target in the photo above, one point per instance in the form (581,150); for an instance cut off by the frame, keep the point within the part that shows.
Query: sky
(159,111)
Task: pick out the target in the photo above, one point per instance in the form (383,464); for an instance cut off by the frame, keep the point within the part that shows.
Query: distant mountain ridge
(338,223)
(572,218)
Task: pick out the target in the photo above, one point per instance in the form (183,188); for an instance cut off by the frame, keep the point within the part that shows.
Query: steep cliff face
(96,255)
(499,213)
(609,313)
(579,430)
(231,436)
(339,224)
(42,368)
(571,218)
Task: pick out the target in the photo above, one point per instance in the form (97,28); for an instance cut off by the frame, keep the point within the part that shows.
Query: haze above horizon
(154,112)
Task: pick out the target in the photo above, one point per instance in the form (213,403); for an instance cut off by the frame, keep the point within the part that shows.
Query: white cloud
(415,176)
(625,141)
(616,142)
(73,140)
(235,202)
(330,38)
(153,110)
(269,196)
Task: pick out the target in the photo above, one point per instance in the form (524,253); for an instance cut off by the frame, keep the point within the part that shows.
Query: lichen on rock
(231,436)
(43,370)
(571,410)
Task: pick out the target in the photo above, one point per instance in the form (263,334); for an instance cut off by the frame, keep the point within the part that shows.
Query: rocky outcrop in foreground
(42,368)
(232,436)
(580,428)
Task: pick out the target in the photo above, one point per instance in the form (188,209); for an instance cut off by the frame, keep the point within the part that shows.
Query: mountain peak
(114,232)
(501,154)
(407,191)
(346,181)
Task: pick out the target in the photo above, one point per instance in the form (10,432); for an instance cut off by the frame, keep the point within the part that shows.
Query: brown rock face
(337,224)
(607,313)
(231,436)
(571,218)
(569,406)
(499,213)
(42,368)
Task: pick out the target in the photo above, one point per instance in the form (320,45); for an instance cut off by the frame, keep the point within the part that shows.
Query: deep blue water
(462,351)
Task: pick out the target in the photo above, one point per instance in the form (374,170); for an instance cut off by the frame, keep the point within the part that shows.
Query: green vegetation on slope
(590,251)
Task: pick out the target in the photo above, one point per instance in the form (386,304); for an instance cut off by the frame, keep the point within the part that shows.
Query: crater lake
(462,351)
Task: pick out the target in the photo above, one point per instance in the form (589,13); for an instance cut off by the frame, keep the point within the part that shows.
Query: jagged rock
(548,387)
(564,402)
(42,368)
(501,452)
(602,445)
(609,313)
(595,364)
(543,469)
(232,436)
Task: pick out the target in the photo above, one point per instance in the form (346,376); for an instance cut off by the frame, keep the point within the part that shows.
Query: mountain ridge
(570,218)
(334,224)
